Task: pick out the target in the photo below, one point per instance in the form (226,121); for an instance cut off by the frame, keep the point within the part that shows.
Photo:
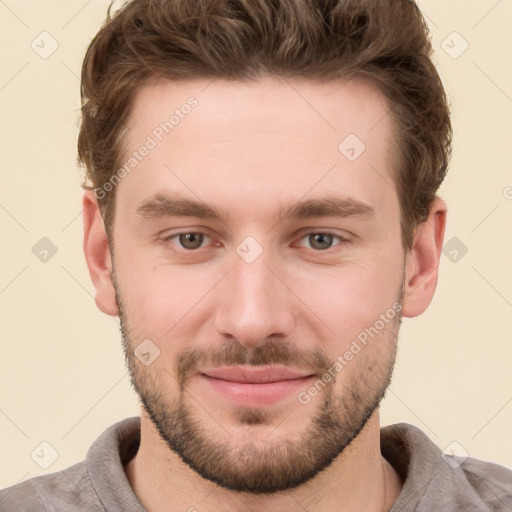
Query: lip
(254,374)
(250,386)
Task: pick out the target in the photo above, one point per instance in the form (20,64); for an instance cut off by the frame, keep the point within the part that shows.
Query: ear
(97,255)
(422,261)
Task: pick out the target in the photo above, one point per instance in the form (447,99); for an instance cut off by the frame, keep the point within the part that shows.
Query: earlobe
(97,255)
(422,261)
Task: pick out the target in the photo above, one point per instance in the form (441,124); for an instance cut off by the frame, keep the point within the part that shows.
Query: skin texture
(253,150)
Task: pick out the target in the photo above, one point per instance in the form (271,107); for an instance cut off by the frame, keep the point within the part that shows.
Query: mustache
(268,353)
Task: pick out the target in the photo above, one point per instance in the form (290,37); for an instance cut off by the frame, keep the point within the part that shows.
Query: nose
(254,303)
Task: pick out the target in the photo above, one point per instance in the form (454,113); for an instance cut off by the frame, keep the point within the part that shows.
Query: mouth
(250,386)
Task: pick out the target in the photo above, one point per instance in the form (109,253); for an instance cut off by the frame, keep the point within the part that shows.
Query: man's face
(243,317)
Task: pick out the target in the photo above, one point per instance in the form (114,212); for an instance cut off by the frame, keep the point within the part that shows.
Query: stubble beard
(273,465)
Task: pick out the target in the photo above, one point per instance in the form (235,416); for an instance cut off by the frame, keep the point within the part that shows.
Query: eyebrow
(327,207)
(161,205)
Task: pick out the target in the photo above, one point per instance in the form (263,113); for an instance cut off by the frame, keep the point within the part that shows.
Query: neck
(360,479)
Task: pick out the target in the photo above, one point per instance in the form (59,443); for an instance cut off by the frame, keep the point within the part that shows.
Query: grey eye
(320,241)
(191,240)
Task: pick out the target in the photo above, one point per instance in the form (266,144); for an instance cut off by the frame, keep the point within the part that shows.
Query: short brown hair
(386,42)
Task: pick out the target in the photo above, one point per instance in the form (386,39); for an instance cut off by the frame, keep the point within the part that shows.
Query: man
(261,213)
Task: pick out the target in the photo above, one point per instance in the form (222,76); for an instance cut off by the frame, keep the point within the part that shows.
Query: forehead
(267,140)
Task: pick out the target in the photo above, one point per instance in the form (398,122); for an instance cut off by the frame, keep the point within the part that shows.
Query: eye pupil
(191,240)
(320,240)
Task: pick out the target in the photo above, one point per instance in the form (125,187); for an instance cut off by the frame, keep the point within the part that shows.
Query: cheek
(352,297)
(162,301)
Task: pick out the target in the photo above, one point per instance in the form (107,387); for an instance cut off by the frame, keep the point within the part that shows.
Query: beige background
(63,378)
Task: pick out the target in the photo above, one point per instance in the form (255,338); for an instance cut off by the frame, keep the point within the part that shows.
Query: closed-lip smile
(254,385)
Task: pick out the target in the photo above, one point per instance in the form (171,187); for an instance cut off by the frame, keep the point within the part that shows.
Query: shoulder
(491,482)
(68,490)
(94,484)
(434,480)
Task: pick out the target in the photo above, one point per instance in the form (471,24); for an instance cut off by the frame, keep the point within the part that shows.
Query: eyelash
(342,240)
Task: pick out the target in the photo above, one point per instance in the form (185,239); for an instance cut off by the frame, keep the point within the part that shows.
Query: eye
(188,241)
(321,241)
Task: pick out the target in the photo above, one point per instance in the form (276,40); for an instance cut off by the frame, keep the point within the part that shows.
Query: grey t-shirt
(431,483)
